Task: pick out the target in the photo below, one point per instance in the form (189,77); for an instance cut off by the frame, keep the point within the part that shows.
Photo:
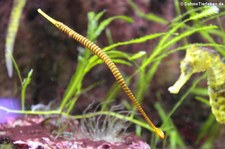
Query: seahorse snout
(180,82)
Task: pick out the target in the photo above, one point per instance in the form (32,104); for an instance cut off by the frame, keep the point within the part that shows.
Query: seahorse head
(197,59)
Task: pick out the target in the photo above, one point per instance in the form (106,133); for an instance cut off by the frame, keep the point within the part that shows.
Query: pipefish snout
(105,58)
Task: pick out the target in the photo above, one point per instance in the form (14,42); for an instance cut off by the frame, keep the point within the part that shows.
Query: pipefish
(105,58)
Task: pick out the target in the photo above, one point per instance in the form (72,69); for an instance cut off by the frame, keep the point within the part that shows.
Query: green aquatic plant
(101,54)
(24,82)
(194,21)
(11,33)
(148,16)
(174,136)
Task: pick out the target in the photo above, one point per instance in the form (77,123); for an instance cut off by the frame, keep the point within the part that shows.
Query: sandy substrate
(35,132)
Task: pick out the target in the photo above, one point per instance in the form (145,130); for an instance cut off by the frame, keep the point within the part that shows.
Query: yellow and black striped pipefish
(104,57)
(198,59)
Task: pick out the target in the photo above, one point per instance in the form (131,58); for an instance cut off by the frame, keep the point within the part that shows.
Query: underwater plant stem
(88,115)
(97,51)
(73,87)
(25,83)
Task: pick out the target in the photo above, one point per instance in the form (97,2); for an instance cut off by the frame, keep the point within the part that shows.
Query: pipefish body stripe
(105,58)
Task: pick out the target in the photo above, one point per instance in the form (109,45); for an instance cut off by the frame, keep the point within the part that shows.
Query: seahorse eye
(186,67)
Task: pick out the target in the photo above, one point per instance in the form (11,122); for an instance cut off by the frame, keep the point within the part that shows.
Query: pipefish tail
(105,58)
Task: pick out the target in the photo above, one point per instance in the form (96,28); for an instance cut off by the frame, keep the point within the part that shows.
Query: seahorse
(107,60)
(199,59)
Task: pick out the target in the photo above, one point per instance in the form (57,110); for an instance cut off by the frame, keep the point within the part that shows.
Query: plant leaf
(25,83)
(133,41)
(155,18)
(107,21)
(209,11)
(137,55)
